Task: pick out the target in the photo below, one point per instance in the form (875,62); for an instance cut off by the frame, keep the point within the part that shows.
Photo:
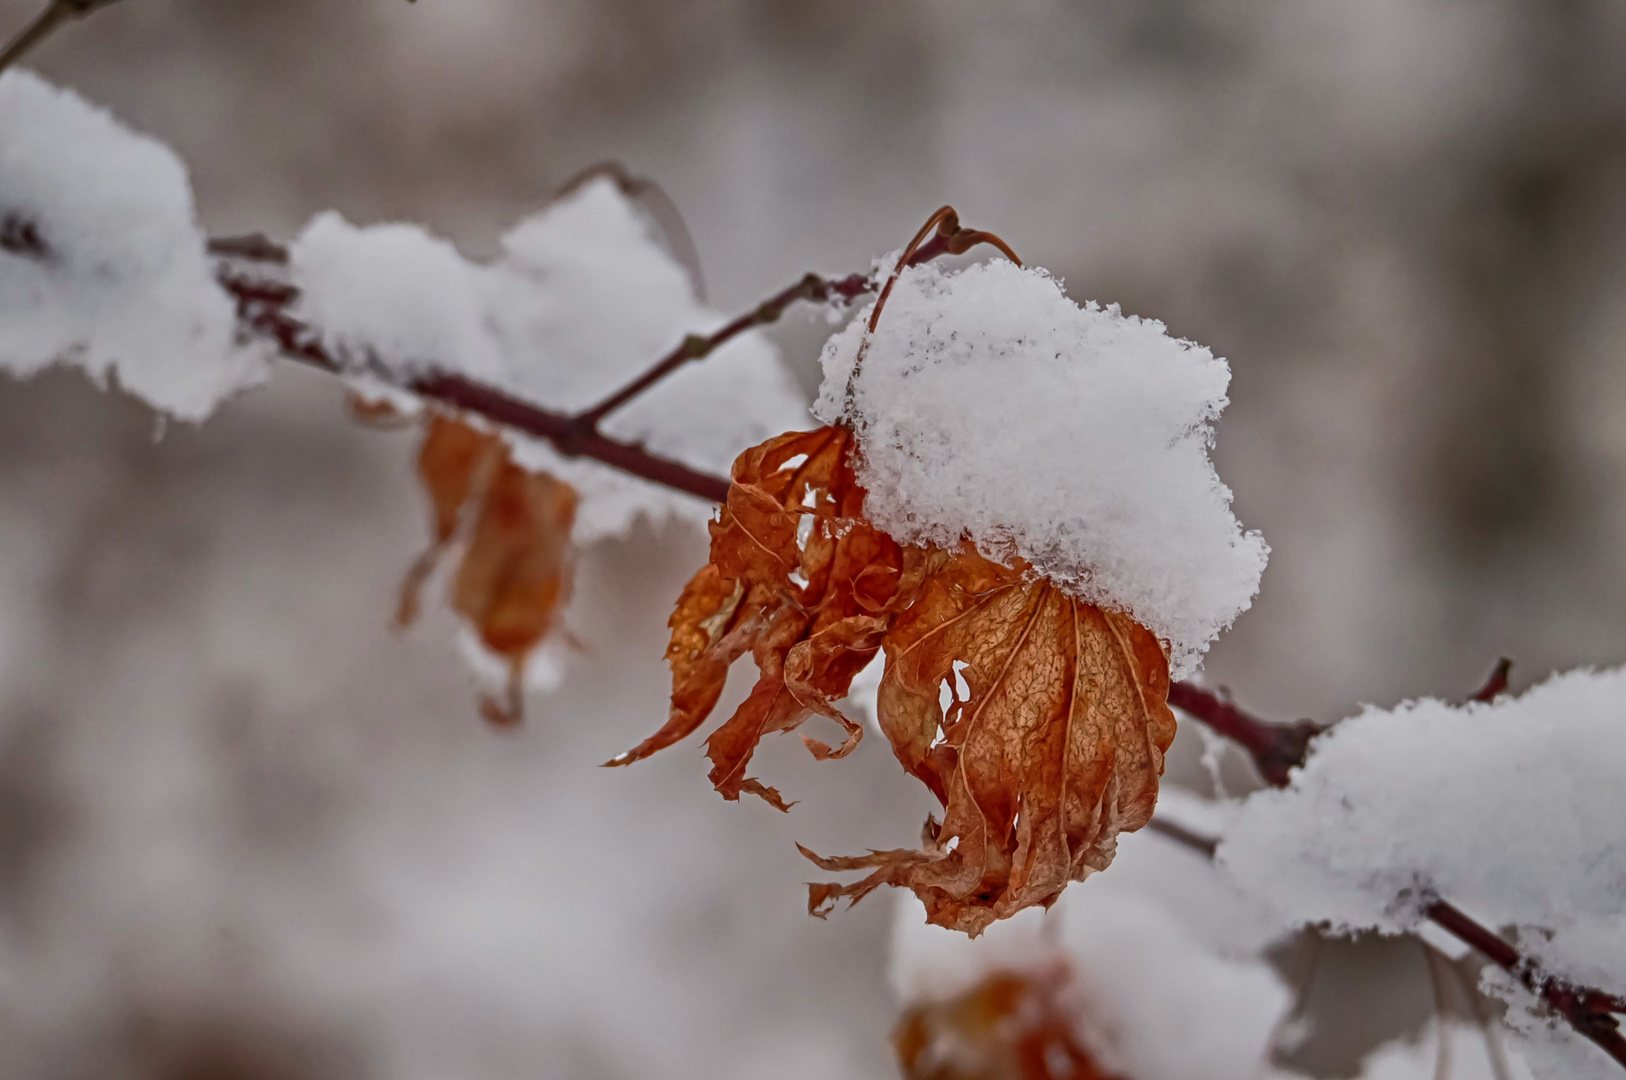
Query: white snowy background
(245,831)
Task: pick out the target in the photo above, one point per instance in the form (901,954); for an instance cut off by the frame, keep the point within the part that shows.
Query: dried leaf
(514,575)
(1051,744)
(377,412)
(797,578)
(1010,1026)
(449,463)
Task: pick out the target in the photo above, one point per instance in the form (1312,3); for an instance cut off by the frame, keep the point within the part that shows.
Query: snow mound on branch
(1513,811)
(990,405)
(1161,944)
(581,299)
(107,269)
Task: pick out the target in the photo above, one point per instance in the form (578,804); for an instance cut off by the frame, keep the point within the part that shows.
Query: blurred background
(248,833)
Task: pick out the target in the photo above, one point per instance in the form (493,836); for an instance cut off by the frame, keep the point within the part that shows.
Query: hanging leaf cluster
(1037,720)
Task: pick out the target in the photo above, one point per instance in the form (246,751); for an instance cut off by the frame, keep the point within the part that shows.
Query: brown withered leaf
(797,578)
(1010,1026)
(1051,745)
(514,574)
(1052,739)
(450,461)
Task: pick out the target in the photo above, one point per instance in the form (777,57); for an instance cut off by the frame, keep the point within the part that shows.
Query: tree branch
(1589,1012)
(263,308)
(55,14)
(1278,749)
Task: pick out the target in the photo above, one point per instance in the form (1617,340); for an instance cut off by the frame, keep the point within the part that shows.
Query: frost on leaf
(515,527)
(1009,1026)
(1050,742)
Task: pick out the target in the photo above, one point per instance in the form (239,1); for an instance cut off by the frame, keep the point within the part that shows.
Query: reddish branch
(1277,749)
(264,305)
(1589,1011)
(699,346)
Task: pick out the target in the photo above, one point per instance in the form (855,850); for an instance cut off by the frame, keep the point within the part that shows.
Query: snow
(1510,810)
(1469,1054)
(1161,944)
(125,289)
(580,300)
(990,405)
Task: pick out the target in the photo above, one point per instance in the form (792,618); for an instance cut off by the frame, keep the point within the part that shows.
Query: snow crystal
(120,284)
(990,405)
(1512,811)
(581,300)
(1160,944)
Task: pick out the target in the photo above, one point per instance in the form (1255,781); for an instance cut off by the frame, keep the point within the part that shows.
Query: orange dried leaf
(377,412)
(450,462)
(798,578)
(1051,744)
(514,575)
(1009,1026)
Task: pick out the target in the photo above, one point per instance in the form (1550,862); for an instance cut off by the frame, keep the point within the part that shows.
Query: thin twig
(1276,749)
(1188,838)
(1590,1012)
(45,23)
(1496,685)
(263,308)
(1279,748)
(699,346)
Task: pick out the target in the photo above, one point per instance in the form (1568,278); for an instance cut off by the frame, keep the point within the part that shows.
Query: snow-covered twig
(1590,1012)
(1277,749)
(264,308)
